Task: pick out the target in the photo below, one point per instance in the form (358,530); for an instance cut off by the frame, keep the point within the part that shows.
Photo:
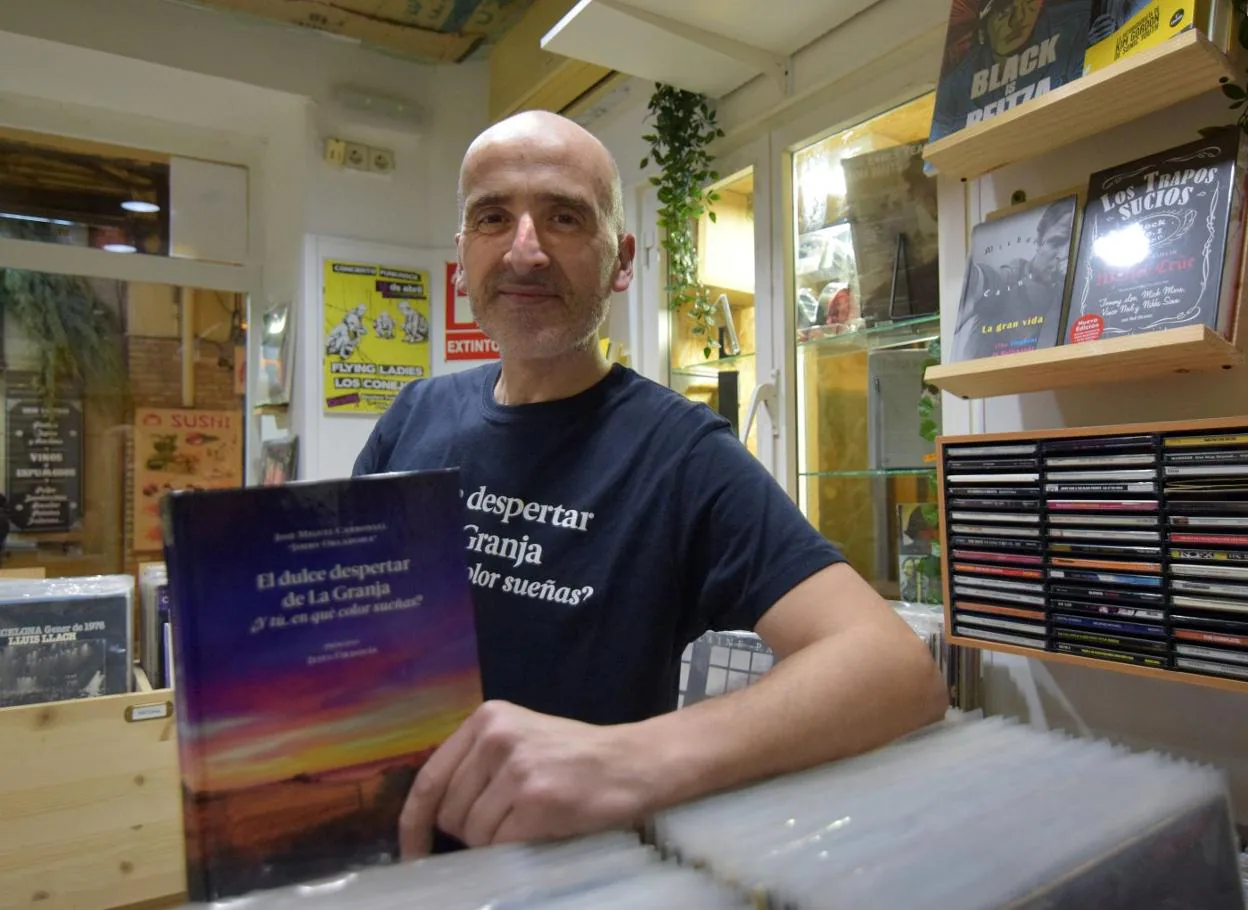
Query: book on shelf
(1000,54)
(1122,28)
(1017,275)
(1161,242)
(324,647)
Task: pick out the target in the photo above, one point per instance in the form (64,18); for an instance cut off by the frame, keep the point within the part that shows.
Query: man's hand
(510,774)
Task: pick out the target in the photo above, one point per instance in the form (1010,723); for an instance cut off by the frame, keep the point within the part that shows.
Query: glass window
(867,298)
(121,200)
(712,359)
(114,393)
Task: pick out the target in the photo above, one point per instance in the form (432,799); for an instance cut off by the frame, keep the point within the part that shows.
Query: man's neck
(533,381)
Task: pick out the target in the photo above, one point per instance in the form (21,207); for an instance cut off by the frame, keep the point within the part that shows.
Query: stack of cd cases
(1127,545)
(970,813)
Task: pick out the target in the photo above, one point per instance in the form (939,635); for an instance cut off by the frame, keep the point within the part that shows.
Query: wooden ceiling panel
(434,31)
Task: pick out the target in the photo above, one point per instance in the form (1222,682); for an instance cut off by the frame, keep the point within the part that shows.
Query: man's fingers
(488,813)
(424,799)
(468,780)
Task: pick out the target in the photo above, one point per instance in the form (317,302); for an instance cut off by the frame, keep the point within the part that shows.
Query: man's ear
(461,285)
(627,256)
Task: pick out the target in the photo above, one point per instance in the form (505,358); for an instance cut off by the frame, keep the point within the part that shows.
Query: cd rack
(1115,546)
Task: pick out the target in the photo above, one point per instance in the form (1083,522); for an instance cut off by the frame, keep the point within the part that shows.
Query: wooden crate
(90,804)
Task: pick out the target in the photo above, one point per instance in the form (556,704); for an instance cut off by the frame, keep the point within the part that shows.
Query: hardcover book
(324,646)
(1000,54)
(1160,245)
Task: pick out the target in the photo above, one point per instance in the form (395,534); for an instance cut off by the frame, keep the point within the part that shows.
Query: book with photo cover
(65,638)
(324,647)
(1017,275)
(1161,242)
(1000,54)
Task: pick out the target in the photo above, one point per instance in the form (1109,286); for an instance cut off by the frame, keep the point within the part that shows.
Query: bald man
(610,521)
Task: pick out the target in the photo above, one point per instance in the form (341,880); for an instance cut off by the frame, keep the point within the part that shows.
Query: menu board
(43,464)
(181,449)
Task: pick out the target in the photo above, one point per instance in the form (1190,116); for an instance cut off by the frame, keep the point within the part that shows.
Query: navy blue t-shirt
(605,532)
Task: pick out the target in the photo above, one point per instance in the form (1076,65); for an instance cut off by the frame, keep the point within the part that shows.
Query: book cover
(1160,242)
(1120,28)
(324,646)
(65,638)
(1016,280)
(1000,54)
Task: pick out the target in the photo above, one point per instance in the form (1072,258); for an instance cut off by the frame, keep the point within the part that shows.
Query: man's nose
(526,251)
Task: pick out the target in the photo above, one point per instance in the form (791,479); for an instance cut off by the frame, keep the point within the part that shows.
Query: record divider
(1160,430)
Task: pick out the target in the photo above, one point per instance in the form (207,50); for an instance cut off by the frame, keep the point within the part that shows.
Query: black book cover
(1159,247)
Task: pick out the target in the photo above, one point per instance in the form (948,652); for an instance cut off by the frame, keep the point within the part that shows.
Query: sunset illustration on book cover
(325,645)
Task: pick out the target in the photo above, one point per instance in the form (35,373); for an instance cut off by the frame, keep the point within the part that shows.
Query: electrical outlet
(357,156)
(335,152)
(380,161)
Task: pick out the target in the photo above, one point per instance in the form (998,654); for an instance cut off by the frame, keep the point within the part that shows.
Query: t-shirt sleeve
(374,457)
(746,543)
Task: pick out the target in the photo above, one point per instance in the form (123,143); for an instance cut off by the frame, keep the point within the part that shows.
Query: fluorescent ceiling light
(119,248)
(135,205)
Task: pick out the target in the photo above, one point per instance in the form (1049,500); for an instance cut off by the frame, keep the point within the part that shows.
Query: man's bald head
(539,135)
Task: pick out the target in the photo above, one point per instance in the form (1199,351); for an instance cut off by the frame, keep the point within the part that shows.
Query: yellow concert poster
(376,334)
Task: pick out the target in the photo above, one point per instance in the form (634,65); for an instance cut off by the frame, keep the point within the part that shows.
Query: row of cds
(971,813)
(1130,548)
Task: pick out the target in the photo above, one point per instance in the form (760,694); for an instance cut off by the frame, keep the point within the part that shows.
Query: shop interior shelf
(1183,67)
(1174,676)
(1188,349)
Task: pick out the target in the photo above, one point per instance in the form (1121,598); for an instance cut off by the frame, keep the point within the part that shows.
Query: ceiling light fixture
(119,248)
(135,205)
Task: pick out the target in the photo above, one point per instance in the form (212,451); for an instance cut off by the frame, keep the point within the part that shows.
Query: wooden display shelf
(90,804)
(1189,349)
(1211,425)
(1174,676)
(1183,67)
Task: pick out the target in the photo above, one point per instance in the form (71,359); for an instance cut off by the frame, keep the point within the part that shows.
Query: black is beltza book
(324,646)
(1160,246)
(1000,54)
(65,638)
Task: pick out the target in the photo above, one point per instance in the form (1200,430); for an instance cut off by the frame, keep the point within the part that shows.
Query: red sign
(464,338)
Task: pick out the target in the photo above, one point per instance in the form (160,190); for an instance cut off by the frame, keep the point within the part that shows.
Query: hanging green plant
(76,339)
(1237,93)
(684,127)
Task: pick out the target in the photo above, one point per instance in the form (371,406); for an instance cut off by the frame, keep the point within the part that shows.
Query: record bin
(90,806)
(1124,547)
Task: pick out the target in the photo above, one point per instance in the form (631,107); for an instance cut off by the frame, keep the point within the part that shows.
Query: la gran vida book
(324,646)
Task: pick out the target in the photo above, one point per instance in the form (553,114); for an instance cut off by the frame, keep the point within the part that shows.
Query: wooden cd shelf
(1189,349)
(1122,548)
(1183,67)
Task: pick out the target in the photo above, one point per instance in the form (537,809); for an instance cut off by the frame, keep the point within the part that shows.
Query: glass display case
(865,287)
(717,363)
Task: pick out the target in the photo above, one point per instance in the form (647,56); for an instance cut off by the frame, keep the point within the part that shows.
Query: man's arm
(852,676)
